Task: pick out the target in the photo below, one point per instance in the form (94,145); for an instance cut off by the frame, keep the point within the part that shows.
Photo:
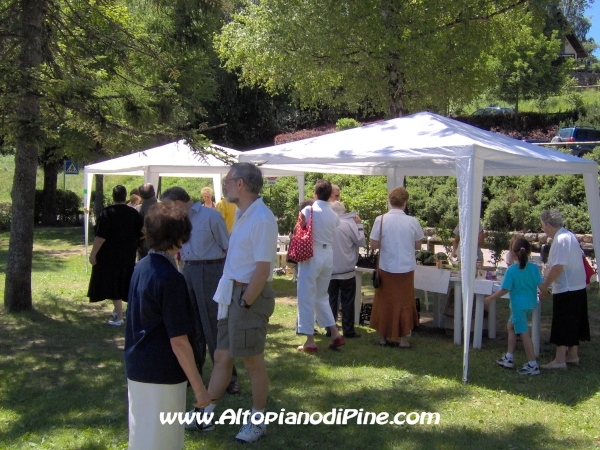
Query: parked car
(578,134)
(494,111)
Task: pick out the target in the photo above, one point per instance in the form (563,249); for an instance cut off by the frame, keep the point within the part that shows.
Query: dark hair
(323,190)
(522,248)
(147,191)
(119,194)
(165,225)
(176,193)
(305,203)
(249,174)
(135,191)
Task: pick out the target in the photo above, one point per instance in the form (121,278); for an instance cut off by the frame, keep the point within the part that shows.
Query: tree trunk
(17,287)
(99,199)
(397,86)
(49,211)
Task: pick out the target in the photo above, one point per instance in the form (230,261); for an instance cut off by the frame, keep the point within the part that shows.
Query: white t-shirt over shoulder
(400,232)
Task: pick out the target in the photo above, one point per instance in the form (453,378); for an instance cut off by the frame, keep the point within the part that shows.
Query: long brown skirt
(394,311)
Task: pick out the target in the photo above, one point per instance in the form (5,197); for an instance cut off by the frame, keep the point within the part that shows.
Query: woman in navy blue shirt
(158,355)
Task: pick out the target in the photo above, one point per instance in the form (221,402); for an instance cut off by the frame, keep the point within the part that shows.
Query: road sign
(71,168)
(271,181)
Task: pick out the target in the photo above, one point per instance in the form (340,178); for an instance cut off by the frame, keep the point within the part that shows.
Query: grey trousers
(202,281)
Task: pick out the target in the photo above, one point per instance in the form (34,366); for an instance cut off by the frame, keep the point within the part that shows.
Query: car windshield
(565,132)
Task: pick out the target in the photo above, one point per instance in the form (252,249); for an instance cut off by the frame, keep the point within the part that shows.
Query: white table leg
(426,301)
(438,312)
(457,313)
(492,320)
(357,297)
(478,331)
(536,320)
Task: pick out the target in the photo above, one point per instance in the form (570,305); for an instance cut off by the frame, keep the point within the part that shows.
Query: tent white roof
(176,159)
(429,144)
(420,144)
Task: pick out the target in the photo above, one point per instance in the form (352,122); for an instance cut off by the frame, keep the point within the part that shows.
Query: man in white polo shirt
(242,328)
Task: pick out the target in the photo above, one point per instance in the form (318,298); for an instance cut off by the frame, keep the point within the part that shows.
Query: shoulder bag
(589,270)
(301,247)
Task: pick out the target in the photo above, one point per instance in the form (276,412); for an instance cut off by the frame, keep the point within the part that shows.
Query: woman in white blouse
(394,312)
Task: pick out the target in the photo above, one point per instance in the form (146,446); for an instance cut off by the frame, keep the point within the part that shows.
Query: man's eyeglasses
(227,180)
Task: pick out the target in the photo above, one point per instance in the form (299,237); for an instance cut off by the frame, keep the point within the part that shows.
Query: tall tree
(574,11)
(526,65)
(31,31)
(90,80)
(373,55)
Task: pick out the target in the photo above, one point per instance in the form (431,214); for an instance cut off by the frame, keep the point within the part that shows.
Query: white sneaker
(505,362)
(251,433)
(198,424)
(115,323)
(529,370)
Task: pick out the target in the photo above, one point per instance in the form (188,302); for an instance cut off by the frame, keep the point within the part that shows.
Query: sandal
(337,342)
(233,388)
(304,349)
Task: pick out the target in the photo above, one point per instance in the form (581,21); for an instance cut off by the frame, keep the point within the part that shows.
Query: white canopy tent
(176,159)
(429,144)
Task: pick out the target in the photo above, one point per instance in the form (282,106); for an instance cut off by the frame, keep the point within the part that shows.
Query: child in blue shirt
(522,280)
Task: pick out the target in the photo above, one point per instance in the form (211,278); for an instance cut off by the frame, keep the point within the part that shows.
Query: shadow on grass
(61,369)
(60,237)
(45,258)
(434,355)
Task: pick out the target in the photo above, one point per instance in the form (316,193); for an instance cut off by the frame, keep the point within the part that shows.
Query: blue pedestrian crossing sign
(71,168)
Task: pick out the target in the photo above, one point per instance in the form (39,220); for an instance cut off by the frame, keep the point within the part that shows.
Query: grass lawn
(62,383)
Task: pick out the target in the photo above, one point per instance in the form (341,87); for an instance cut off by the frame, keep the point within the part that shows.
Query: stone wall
(536,240)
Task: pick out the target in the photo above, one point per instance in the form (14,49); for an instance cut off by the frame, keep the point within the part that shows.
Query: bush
(68,205)
(5,216)
(346,123)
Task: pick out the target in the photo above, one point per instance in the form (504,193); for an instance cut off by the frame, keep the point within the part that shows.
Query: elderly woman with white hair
(394,313)
(570,322)
(207,197)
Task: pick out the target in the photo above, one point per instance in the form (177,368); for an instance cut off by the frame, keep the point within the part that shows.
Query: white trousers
(146,402)
(313,299)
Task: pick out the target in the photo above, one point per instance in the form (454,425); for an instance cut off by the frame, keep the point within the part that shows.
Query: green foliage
(5,216)
(373,56)
(282,199)
(367,195)
(444,232)
(572,95)
(432,199)
(497,242)
(68,204)
(346,123)
(525,65)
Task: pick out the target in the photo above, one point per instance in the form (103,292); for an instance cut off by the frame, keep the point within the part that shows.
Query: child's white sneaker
(505,362)
(529,370)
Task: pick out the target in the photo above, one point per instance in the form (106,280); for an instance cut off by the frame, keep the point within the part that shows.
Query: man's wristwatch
(243,303)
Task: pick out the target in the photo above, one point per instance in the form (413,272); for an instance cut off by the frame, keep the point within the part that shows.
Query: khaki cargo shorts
(244,331)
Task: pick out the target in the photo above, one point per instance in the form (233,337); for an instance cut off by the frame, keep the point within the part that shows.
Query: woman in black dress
(118,230)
